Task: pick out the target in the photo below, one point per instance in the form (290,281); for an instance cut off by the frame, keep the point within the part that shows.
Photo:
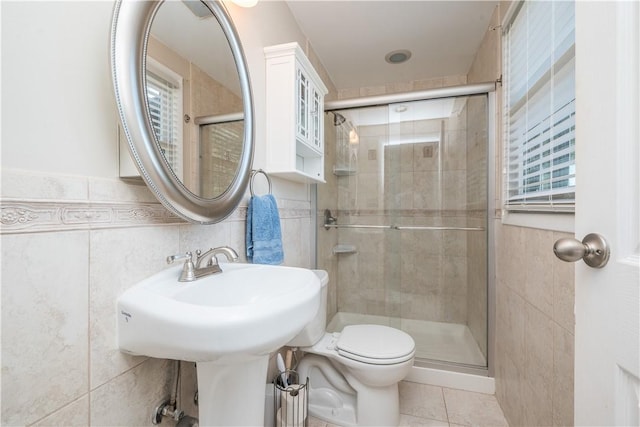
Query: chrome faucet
(206,263)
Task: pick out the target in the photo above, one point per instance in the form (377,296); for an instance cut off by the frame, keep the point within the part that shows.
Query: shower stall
(403,220)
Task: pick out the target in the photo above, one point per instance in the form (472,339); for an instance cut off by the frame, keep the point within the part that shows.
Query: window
(164,92)
(539,50)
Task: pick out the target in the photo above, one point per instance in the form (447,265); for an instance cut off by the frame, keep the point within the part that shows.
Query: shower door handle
(593,250)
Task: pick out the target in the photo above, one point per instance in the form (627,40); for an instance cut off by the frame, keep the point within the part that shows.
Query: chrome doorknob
(593,249)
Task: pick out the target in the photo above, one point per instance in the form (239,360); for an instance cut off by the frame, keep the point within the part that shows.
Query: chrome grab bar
(403,227)
(328,226)
(331,222)
(419,227)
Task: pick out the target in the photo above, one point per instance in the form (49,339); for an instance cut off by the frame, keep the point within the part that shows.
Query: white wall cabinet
(295,115)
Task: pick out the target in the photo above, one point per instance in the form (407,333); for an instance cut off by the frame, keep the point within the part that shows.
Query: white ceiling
(352,37)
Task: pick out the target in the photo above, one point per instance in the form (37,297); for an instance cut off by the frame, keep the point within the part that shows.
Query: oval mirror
(184,98)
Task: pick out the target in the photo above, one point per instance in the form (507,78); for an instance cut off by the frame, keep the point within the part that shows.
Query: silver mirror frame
(130,30)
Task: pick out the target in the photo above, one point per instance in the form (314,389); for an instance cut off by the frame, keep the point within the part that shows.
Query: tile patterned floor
(430,406)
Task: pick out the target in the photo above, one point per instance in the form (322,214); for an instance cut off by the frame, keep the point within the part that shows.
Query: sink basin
(247,310)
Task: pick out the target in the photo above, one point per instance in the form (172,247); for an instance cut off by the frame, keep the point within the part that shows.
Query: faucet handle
(188,269)
(179,257)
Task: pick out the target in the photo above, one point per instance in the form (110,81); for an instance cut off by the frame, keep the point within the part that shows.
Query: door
(607,202)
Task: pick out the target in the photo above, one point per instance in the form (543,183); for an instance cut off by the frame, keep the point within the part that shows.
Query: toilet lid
(375,344)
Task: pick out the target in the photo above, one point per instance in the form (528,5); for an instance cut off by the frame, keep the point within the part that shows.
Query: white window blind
(165,108)
(540,107)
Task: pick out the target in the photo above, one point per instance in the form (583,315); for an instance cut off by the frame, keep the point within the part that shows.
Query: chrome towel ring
(253,175)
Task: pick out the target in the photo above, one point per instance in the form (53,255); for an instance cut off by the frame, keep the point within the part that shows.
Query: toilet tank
(316,328)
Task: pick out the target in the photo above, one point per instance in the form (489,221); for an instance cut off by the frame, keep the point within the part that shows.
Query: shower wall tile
(431,127)
(477,297)
(399,87)
(427,191)
(424,243)
(45,360)
(404,197)
(426,157)
(372,91)
(326,240)
(474,119)
(454,191)
(454,153)
(424,84)
(348,93)
(455,243)
(421,275)
(454,290)
(454,80)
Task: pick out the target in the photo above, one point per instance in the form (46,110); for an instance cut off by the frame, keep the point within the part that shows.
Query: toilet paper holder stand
(290,400)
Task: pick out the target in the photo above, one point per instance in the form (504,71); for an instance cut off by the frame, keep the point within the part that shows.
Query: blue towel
(263,235)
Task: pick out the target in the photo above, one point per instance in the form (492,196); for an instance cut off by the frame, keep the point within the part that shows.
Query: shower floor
(435,341)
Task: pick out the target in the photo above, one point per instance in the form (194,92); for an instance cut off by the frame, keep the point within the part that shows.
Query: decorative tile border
(35,216)
(21,216)
(34,202)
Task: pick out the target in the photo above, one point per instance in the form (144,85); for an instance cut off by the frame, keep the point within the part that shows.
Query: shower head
(338,119)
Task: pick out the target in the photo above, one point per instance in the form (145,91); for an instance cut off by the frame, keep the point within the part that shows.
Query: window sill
(555,221)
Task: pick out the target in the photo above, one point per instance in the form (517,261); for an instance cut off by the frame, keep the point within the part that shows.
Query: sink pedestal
(232,392)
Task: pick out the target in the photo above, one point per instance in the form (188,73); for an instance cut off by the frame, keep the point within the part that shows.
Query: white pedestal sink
(228,323)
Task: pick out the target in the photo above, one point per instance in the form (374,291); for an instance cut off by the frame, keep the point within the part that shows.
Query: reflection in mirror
(192,88)
(219,152)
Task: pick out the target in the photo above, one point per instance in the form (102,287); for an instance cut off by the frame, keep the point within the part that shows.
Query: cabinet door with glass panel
(309,108)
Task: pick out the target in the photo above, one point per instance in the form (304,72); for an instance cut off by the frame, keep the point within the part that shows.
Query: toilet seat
(375,344)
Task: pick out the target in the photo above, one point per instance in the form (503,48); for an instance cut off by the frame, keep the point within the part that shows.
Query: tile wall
(70,246)
(534,328)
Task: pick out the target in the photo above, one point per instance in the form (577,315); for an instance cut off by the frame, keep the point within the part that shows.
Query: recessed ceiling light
(245,3)
(398,56)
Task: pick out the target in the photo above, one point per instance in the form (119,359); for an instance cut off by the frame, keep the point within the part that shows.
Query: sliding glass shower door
(410,216)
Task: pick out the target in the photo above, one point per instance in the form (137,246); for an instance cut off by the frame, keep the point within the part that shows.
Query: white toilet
(353,374)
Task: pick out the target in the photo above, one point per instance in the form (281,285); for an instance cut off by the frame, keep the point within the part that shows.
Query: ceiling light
(245,3)
(398,56)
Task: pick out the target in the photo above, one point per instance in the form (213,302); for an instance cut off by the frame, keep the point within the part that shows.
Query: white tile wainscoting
(70,246)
